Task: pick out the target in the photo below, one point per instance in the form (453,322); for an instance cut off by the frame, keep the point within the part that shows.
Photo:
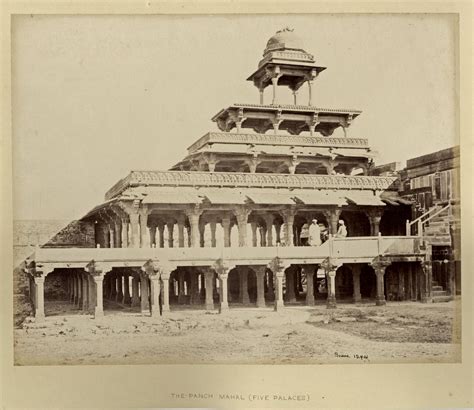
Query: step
(439,299)
(439,293)
(436,287)
(434,282)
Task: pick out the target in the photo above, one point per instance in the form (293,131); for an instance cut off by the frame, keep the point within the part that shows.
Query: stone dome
(284,39)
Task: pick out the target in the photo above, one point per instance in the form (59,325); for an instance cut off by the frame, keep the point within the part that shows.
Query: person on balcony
(314,233)
(304,235)
(342,230)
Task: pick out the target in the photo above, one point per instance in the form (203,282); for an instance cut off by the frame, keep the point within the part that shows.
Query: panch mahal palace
(222,228)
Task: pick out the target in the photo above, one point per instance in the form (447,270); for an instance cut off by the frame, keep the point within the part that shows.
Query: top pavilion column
(285,63)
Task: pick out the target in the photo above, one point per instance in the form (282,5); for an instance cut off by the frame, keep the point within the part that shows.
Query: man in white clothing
(342,230)
(314,233)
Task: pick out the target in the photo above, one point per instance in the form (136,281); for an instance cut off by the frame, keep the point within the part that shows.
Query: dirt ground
(398,332)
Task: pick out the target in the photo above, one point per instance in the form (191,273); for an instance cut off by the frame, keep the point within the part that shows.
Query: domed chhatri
(285,62)
(284,39)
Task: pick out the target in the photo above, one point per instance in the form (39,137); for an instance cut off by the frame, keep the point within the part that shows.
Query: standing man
(314,233)
(342,230)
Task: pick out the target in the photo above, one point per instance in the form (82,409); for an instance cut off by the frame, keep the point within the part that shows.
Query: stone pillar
(144,234)
(170,228)
(39,298)
(226,227)
(181,293)
(112,236)
(331,285)
(113,286)
(118,233)
(155,295)
(253,226)
(135,297)
(278,276)
(426,281)
(193,216)
(356,283)
(213,233)
(124,233)
(119,297)
(152,231)
(223,278)
(134,227)
(309,271)
(126,289)
(244,290)
(289,219)
(242,215)
(278,232)
(260,274)
(269,225)
(274,87)
(99,305)
(290,285)
(85,292)
(165,277)
(202,229)
(332,217)
(263,236)
(144,303)
(181,232)
(92,294)
(374,215)
(161,239)
(194,288)
(209,277)
(379,267)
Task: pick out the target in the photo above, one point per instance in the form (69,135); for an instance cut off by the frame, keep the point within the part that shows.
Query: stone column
(39,298)
(244,291)
(356,283)
(269,225)
(193,216)
(223,292)
(112,236)
(99,305)
(253,226)
(332,217)
(124,233)
(374,215)
(118,233)
(113,286)
(181,294)
(331,285)
(289,219)
(209,277)
(278,276)
(181,232)
(213,233)
(226,227)
(152,231)
(155,295)
(144,234)
(202,229)
(85,292)
(126,289)
(263,236)
(426,281)
(119,297)
(242,215)
(290,285)
(134,228)
(165,277)
(260,274)
(309,271)
(144,303)
(379,267)
(170,229)
(278,232)
(161,236)
(135,297)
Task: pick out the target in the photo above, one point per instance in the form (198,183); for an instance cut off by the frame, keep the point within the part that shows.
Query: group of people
(313,235)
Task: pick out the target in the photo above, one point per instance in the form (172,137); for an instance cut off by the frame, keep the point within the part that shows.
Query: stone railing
(269,139)
(297,108)
(248,180)
(364,249)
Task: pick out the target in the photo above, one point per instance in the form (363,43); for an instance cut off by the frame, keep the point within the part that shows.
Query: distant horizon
(112,94)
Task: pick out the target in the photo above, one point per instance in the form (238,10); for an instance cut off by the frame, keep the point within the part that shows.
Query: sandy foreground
(397,332)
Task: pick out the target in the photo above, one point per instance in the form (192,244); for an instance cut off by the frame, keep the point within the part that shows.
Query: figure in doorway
(304,235)
(342,230)
(314,233)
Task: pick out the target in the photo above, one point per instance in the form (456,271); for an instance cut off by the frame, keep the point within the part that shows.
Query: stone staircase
(438,293)
(436,230)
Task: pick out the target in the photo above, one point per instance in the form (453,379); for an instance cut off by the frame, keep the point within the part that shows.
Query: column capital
(242,213)
(221,267)
(278,266)
(330,265)
(38,269)
(288,213)
(193,212)
(379,264)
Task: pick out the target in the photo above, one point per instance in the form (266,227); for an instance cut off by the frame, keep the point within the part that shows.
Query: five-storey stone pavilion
(222,227)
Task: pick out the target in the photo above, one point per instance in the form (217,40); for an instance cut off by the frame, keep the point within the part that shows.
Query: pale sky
(97,96)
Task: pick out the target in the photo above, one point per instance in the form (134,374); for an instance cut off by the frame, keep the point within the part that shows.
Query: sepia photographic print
(236,189)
